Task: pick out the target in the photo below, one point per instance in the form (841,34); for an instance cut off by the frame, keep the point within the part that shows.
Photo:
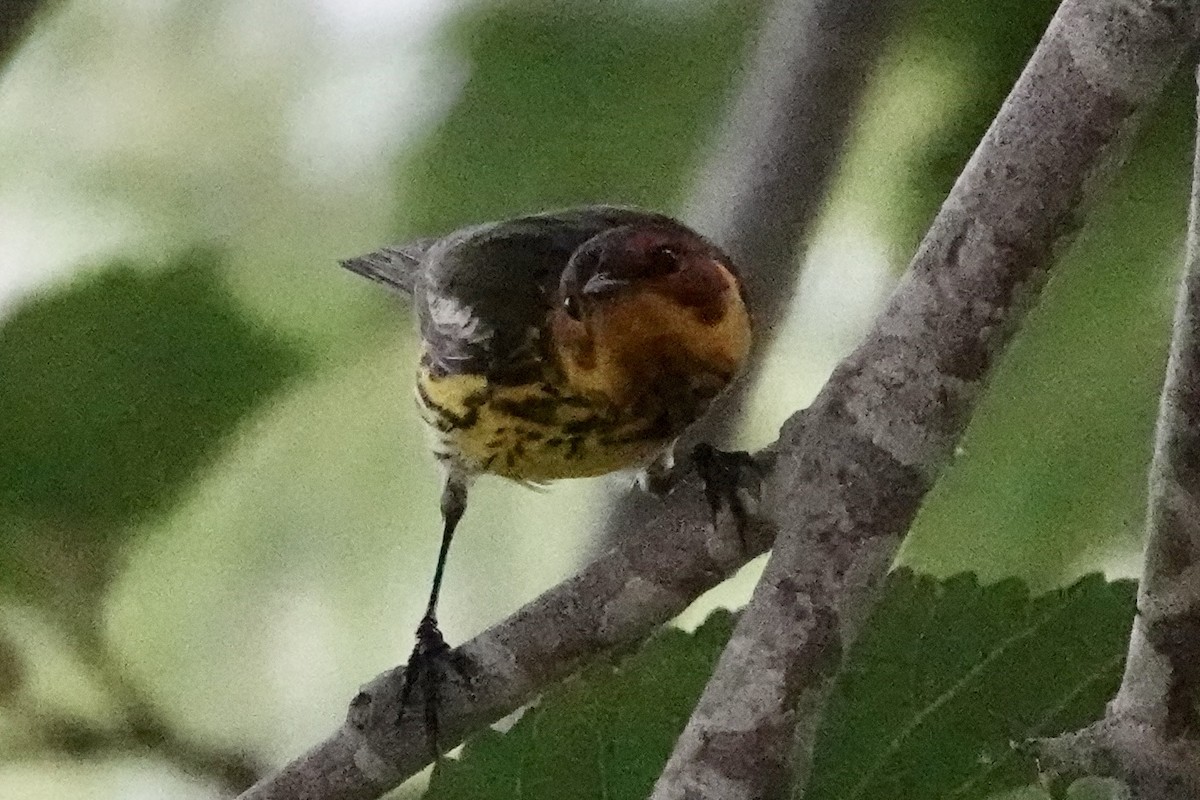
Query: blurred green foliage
(119,388)
(124,395)
(12,669)
(1052,476)
(987,45)
(947,675)
(575,103)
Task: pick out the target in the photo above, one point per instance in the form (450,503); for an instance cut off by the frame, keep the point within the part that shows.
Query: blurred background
(217,516)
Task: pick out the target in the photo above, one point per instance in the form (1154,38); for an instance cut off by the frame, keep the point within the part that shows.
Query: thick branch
(1150,736)
(763,185)
(775,155)
(1163,671)
(849,473)
(617,600)
(852,478)
(1154,767)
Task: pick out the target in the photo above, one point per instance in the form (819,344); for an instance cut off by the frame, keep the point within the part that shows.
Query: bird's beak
(602,284)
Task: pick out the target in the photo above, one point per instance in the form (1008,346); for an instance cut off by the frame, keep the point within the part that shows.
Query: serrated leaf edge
(951,692)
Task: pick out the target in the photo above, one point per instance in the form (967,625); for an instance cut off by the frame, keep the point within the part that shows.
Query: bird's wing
(485,292)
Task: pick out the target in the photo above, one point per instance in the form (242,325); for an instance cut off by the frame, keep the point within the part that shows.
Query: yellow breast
(617,395)
(534,433)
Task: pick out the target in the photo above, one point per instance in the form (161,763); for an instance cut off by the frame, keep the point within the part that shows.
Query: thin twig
(879,434)
(51,733)
(1150,735)
(145,729)
(139,728)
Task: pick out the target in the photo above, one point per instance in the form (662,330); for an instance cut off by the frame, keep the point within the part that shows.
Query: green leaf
(945,678)
(1090,788)
(1032,792)
(605,734)
(1097,789)
(116,390)
(949,674)
(572,103)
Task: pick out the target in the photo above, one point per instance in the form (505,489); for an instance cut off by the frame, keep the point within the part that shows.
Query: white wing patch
(457,320)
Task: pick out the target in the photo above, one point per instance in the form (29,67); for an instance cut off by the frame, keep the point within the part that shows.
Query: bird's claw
(427,667)
(730,477)
(657,482)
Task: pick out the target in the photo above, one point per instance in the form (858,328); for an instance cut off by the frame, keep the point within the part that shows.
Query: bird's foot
(427,669)
(733,480)
(658,482)
(660,476)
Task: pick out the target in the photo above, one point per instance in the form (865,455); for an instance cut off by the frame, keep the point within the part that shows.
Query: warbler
(559,345)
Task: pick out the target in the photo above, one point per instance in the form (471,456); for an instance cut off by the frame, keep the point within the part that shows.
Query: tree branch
(54,733)
(776,152)
(1150,736)
(138,730)
(852,478)
(848,473)
(761,189)
(144,728)
(616,601)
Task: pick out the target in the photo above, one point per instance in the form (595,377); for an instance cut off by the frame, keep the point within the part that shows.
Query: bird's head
(646,308)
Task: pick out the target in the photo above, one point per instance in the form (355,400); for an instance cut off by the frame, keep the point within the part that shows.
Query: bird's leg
(729,477)
(428,661)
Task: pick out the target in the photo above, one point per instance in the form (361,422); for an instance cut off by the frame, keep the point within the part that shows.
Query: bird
(564,344)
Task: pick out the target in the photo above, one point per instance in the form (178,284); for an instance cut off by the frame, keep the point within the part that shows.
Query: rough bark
(851,478)
(617,600)
(763,185)
(1150,736)
(847,475)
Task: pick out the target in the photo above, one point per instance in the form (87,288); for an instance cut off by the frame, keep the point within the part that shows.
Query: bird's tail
(395,267)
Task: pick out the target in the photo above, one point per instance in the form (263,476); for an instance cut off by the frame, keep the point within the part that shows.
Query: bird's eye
(663,260)
(571,306)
